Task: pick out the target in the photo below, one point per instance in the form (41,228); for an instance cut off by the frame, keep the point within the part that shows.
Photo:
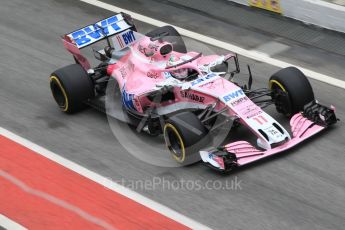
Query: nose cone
(273,136)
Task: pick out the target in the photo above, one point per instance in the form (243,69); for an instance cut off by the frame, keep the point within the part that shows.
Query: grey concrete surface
(320,13)
(249,29)
(301,189)
(328,14)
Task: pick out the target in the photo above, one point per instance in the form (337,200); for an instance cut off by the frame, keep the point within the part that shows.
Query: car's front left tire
(184,136)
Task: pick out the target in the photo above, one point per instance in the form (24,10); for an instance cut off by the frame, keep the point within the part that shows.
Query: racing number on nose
(260,119)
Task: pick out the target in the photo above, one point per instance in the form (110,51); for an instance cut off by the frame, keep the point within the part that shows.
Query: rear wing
(119,24)
(102,29)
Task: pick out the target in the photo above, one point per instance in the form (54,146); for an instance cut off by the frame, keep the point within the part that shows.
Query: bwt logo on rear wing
(125,39)
(102,29)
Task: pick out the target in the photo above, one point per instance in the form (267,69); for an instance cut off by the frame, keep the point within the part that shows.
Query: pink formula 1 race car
(152,82)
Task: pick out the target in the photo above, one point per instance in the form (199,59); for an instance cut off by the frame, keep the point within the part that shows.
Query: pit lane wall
(317,12)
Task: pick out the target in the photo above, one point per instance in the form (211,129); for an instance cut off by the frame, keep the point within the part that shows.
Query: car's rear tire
(291,90)
(71,87)
(173,36)
(184,136)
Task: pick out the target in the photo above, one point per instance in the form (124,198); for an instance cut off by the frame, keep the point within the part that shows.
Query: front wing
(304,125)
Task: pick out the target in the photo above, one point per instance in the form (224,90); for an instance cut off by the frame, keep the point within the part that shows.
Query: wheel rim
(174,142)
(59,93)
(280,97)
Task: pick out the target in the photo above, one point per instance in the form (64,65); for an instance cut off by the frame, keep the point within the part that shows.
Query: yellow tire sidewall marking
(183,151)
(55,79)
(277,83)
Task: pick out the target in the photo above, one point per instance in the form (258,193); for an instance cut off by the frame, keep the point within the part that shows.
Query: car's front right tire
(290,91)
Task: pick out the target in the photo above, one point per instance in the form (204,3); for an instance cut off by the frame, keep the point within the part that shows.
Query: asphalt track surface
(301,189)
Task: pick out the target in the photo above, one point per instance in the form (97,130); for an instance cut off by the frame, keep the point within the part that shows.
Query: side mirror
(233,67)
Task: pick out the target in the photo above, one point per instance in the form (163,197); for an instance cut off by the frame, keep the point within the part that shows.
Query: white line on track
(262,57)
(105,182)
(10,224)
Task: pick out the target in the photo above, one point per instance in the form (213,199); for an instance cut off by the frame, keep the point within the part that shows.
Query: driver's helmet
(180,74)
